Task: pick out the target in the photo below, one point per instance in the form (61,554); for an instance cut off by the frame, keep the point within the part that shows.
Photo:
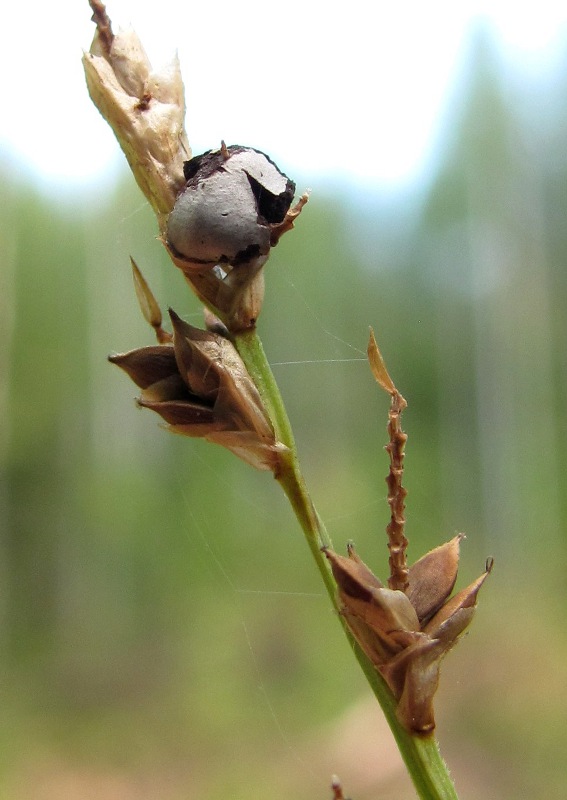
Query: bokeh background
(163,633)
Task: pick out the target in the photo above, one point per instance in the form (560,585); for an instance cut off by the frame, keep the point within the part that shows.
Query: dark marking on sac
(271,207)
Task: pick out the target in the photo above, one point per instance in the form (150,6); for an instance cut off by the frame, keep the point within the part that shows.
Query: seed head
(200,387)
(406,635)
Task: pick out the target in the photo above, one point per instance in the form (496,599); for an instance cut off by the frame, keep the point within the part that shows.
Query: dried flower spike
(397,542)
(406,635)
(199,385)
(406,628)
(144,107)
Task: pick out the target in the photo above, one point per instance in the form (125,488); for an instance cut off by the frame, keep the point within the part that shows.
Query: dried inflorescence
(200,387)
(406,634)
(196,381)
(220,213)
(144,107)
(406,628)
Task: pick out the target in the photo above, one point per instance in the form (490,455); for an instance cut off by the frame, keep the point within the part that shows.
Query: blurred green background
(163,633)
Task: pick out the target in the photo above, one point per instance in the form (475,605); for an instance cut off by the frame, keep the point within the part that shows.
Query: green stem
(421,754)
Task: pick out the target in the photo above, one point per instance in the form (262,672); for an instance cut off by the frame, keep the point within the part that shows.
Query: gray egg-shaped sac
(225,214)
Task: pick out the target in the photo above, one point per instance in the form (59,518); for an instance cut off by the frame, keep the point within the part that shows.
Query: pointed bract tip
(406,635)
(378,366)
(432,578)
(215,325)
(148,304)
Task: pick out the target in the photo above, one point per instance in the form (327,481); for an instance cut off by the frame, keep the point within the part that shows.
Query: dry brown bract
(406,628)
(199,385)
(406,635)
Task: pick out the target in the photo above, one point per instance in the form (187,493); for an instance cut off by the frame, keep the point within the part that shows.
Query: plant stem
(289,476)
(421,754)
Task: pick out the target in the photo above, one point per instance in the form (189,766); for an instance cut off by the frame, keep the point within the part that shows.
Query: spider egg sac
(226,211)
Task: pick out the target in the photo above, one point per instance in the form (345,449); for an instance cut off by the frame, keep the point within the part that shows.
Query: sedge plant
(219,214)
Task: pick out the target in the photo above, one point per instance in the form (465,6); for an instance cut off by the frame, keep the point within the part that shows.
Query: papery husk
(432,578)
(413,677)
(406,635)
(235,297)
(147,365)
(144,107)
(200,387)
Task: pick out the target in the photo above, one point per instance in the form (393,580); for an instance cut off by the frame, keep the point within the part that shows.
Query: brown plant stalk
(397,541)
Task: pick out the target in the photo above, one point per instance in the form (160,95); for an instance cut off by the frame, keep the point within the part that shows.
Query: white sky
(350,89)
